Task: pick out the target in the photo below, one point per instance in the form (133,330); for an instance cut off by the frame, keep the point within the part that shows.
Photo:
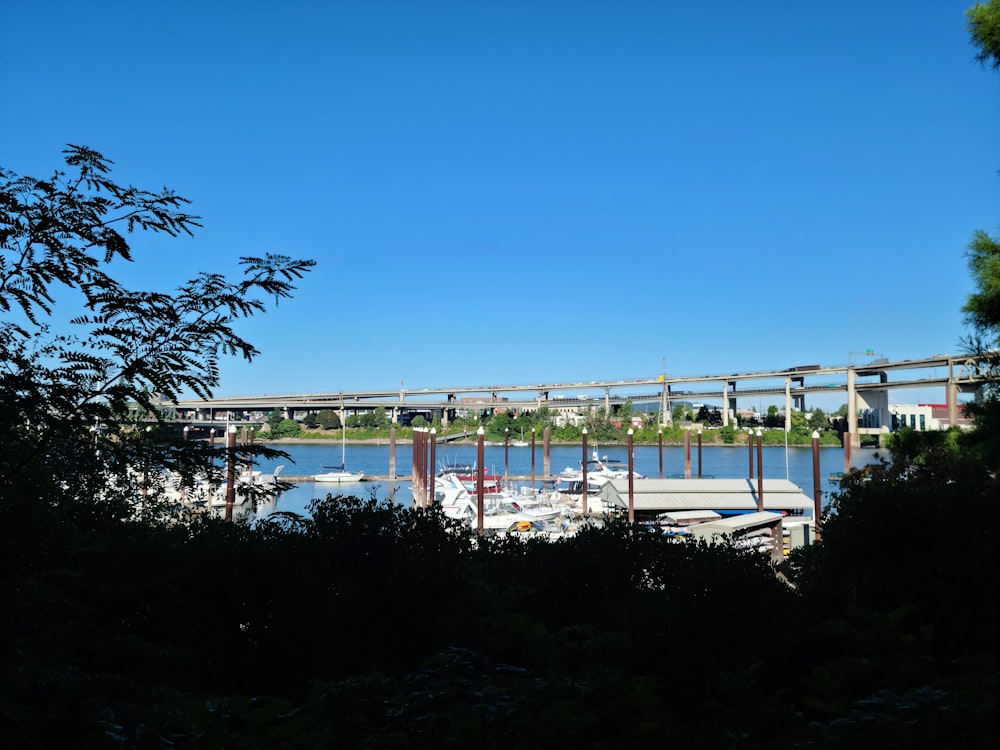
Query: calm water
(720,462)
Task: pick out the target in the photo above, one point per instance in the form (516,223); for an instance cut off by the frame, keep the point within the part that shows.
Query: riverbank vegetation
(604,428)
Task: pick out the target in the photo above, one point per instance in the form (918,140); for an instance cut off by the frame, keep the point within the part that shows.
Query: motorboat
(501,511)
(600,469)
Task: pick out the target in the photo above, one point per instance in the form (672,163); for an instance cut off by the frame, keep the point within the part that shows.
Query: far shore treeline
(499,425)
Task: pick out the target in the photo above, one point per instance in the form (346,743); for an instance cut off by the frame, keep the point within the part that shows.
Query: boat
(501,510)
(203,490)
(600,469)
(258,479)
(455,468)
(340,474)
(522,443)
(492,483)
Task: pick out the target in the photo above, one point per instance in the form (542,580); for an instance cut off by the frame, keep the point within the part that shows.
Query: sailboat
(522,443)
(340,474)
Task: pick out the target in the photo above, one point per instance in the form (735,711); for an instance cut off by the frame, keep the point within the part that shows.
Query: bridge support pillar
(852,410)
(799,399)
(731,400)
(951,396)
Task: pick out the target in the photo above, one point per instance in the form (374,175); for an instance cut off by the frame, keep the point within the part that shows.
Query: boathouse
(727,497)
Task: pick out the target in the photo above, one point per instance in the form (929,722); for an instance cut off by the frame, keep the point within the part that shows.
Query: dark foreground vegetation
(374,626)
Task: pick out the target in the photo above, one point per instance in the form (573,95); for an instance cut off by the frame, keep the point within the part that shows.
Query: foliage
(710,417)
(115,359)
(328,419)
(380,420)
(680,413)
(882,547)
(982,312)
(286,428)
(982,308)
(367,620)
(984,28)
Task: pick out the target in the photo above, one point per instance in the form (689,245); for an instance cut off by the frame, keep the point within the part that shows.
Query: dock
(409,478)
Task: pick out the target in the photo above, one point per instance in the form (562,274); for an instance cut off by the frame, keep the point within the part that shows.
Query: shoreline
(472,443)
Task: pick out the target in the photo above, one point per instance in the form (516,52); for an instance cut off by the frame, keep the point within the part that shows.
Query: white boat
(203,491)
(258,479)
(600,469)
(500,512)
(340,474)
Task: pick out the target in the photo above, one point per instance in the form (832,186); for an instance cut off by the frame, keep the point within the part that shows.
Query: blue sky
(524,192)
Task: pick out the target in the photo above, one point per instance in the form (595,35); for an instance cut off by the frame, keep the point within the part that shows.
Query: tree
(818,419)
(286,428)
(625,411)
(982,308)
(711,417)
(984,27)
(328,419)
(774,418)
(678,413)
(123,353)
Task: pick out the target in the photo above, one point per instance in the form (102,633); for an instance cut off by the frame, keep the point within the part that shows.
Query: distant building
(926,417)
(569,418)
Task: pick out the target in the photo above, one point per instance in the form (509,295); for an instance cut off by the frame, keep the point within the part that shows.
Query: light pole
(183,481)
(631,481)
(760,470)
(145,468)
(506,453)
(699,453)
(480,489)
(432,464)
(659,437)
(817,493)
(532,461)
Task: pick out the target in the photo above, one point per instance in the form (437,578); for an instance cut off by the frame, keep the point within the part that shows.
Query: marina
(726,462)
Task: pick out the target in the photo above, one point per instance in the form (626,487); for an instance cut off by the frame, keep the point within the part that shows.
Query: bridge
(866,386)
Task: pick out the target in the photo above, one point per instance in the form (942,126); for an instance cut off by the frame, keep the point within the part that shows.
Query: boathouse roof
(661,495)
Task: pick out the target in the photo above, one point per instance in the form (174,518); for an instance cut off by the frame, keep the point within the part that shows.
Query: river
(721,462)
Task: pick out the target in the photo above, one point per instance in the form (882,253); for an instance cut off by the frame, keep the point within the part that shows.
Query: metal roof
(736,523)
(682,516)
(704,494)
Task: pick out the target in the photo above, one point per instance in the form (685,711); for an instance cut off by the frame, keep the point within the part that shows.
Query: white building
(925,417)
